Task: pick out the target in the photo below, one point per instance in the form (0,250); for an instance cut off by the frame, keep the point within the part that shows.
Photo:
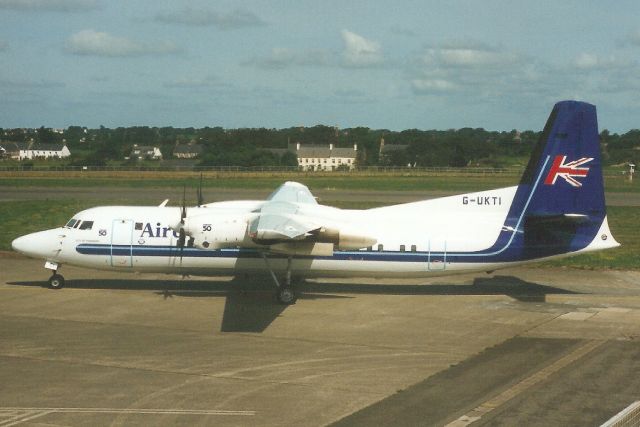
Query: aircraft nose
(20,244)
(43,244)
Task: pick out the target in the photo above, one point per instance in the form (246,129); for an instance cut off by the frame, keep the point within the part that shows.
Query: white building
(142,152)
(29,151)
(187,151)
(325,157)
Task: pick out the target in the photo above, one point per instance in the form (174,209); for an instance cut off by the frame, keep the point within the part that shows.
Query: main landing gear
(286,293)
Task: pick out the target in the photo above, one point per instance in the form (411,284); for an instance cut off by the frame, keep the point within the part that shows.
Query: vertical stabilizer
(568,157)
(559,206)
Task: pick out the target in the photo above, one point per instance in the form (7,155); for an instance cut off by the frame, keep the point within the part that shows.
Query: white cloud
(280,58)
(471,69)
(359,51)
(586,60)
(193,83)
(96,43)
(591,61)
(468,55)
(424,86)
(205,17)
(50,5)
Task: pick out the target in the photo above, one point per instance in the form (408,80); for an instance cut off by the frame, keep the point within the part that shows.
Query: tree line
(252,146)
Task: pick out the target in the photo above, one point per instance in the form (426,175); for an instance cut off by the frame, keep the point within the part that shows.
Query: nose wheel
(56,281)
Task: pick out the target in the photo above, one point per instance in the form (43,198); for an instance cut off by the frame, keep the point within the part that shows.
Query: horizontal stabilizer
(561,218)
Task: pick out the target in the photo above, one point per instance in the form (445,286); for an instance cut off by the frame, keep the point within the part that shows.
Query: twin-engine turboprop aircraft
(557,210)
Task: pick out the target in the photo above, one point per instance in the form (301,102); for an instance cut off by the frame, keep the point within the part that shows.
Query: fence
(252,169)
(18,170)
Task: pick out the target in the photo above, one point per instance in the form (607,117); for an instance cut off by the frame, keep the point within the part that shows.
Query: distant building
(14,150)
(34,150)
(145,152)
(325,157)
(386,150)
(187,151)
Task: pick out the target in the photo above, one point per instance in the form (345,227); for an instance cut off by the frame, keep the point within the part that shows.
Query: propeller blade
(200,199)
(181,240)
(183,212)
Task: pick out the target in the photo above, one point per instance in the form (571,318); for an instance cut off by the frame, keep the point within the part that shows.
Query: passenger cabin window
(86,225)
(138,226)
(380,247)
(413,248)
(401,248)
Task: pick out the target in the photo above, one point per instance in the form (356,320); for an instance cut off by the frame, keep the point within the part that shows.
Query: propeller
(179,227)
(183,215)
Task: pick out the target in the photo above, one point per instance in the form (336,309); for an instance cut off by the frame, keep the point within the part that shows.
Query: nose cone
(20,244)
(43,244)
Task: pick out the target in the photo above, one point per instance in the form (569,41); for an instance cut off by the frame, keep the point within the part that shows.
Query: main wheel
(56,281)
(287,295)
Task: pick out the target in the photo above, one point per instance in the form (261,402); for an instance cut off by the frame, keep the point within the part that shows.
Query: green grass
(22,217)
(623,221)
(453,183)
(19,218)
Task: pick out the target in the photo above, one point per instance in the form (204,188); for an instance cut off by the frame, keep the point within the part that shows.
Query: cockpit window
(71,223)
(86,225)
(77,224)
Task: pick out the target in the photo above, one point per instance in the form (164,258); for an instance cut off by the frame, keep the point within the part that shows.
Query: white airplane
(557,210)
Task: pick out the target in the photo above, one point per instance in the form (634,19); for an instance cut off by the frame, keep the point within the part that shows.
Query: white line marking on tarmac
(488,406)
(23,417)
(20,415)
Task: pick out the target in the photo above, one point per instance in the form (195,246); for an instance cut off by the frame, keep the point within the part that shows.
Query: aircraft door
(121,243)
(437,258)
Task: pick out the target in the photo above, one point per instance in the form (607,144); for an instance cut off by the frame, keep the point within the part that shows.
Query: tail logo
(567,171)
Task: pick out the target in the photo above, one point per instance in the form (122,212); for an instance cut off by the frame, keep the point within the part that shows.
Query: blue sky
(422,64)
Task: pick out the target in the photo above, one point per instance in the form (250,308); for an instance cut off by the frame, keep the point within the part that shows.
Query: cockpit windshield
(80,225)
(86,225)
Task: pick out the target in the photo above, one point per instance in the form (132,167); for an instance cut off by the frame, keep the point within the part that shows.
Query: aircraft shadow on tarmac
(250,305)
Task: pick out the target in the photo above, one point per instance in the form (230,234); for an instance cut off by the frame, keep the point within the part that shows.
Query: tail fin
(559,204)
(567,163)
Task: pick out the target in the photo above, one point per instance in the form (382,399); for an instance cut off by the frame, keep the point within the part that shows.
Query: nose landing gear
(56,281)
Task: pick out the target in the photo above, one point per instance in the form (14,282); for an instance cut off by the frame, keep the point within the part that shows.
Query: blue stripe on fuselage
(381,256)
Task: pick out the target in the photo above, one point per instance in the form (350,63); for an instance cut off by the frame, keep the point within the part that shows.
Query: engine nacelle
(216,232)
(344,239)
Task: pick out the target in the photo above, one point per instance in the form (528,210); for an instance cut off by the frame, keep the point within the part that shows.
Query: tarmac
(526,346)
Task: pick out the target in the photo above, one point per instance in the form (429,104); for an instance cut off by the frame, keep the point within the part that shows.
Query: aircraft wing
(292,192)
(280,227)
(278,220)
(285,223)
